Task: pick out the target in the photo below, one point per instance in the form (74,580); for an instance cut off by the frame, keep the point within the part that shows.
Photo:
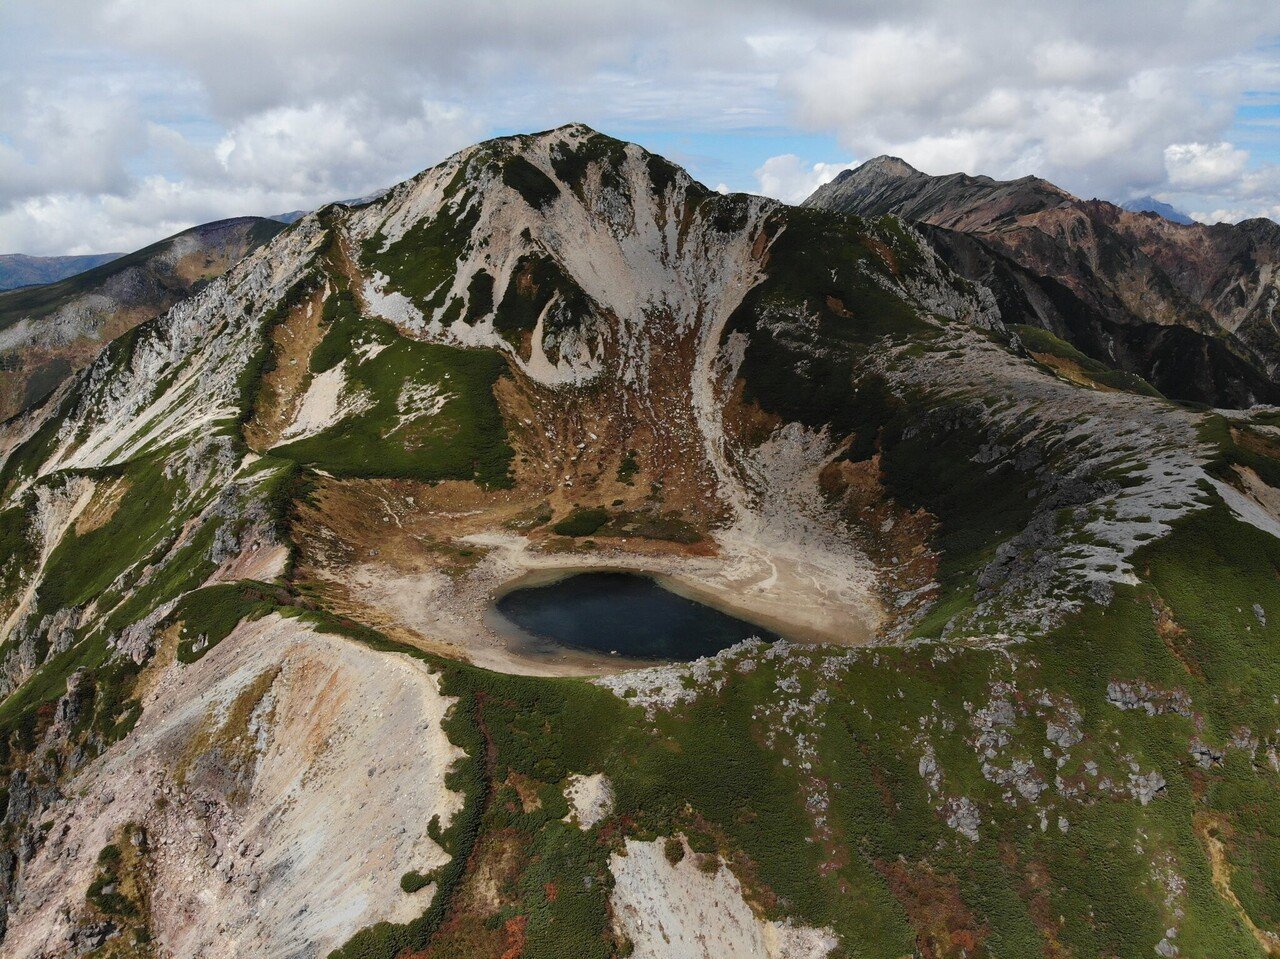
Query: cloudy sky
(123,121)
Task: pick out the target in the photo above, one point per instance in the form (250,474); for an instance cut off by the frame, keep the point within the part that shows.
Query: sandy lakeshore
(802,601)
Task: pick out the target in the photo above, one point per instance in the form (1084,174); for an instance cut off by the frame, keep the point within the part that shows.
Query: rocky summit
(987,457)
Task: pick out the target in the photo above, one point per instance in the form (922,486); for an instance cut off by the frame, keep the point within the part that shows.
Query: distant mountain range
(18,269)
(293,216)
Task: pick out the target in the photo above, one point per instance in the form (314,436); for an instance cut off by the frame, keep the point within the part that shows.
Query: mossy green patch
(424,411)
(480,295)
(81,567)
(1036,340)
(538,189)
(581,522)
(536,281)
(209,615)
(813,315)
(17,551)
(571,161)
(628,468)
(422,264)
(345,332)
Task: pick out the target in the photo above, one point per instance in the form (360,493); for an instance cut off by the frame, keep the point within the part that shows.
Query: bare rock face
(1147,787)
(590,799)
(889,185)
(1206,756)
(682,910)
(1152,701)
(251,772)
(963,816)
(1187,306)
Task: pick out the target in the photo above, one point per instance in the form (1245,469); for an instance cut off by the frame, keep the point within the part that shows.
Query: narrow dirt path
(1208,827)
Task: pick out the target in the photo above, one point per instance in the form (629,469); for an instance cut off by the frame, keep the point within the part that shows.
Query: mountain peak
(878,169)
(887,165)
(888,184)
(572,132)
(575,128)
(1149,204)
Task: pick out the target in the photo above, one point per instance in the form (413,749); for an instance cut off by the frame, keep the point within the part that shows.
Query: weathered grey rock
(963,816)
(1152,701)
(86,938)
(138,640)
(1145,788)
(1064,734)
(71,707)
(1027,780)
(33,643)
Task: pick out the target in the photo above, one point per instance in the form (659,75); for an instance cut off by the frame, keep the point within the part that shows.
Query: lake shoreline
(635,617)
(682,585)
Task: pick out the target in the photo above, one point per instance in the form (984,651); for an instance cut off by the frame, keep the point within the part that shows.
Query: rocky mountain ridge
(1187,306)
(49,331)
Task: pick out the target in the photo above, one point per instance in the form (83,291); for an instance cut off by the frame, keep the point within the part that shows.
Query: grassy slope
(1043,342)
(465,440)
(136,561)
(107,566)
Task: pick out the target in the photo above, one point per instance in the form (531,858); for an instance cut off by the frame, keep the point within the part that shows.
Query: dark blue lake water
(632,615)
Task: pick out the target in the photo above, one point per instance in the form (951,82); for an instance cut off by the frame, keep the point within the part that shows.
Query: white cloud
(66,137)
(113,108)
(1236,194)
(350,144)
(790,179)
(1203,166)
(881,75)
(152,208)
(1067,62)
(280,160)
(967,86)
